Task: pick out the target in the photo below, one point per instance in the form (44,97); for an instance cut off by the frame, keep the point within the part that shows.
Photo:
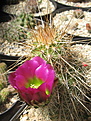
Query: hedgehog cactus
(4,92)
(3,77)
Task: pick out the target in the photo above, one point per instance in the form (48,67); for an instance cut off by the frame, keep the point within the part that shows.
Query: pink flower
(34,80)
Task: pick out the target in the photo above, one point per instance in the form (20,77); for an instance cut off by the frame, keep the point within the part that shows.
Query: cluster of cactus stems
(18,28)
(4,91)
(4,94)
(3,78)
(26,20)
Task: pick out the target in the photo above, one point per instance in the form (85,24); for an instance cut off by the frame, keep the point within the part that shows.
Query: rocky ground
(87,3)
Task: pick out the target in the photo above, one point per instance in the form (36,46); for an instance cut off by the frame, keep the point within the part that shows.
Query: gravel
(75,26)
(45,7)
(83,4)
(14,49)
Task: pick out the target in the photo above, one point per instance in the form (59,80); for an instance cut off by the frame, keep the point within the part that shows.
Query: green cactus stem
(3,77)
(4,94)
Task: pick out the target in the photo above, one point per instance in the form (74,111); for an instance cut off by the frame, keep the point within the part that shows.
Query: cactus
(3,83)
(17,29)
(78,13)
(48,45)
(4,94)
(5,89)
(26,20)
(3,77)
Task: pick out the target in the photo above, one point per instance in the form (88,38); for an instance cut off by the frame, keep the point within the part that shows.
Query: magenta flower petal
(51,73)
(50,79)
(11,79)
(30,71)
(34,80)
(27,94)
(39,96)
(44,88)
(47,74)
(21,81)
(39,60)
(42,72)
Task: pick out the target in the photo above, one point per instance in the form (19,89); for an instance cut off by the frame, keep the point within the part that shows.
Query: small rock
(24,117)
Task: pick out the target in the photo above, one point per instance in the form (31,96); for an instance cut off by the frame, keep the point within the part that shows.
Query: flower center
(34,83)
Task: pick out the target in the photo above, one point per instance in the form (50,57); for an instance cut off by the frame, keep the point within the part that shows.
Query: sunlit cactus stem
(3,77)
(4,94)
